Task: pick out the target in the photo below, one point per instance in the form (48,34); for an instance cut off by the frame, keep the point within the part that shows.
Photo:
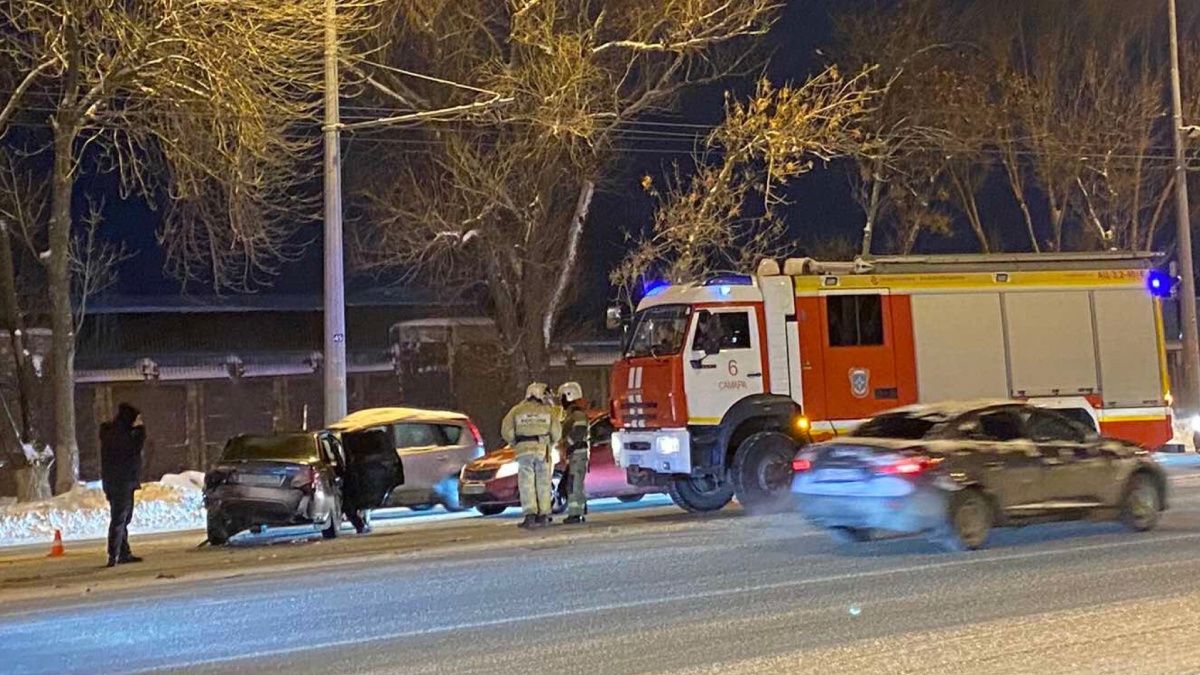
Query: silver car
(433,447)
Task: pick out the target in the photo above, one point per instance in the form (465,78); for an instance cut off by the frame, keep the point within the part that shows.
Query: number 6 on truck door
(724,362)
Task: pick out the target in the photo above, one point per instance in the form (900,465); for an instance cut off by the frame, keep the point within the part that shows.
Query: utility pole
(335,281)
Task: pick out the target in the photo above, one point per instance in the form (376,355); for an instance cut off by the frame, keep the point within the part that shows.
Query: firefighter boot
(530,522)
(574,520)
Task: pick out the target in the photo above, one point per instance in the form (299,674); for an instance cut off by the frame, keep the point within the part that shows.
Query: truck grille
(638,413)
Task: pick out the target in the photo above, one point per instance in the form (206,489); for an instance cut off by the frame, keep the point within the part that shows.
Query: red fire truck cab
(721,381)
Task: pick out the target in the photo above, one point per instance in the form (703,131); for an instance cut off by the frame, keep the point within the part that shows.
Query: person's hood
(126,415)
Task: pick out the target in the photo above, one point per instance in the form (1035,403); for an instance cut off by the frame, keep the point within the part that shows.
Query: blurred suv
(489,484)
(432,445)
(299,479)
(955,471)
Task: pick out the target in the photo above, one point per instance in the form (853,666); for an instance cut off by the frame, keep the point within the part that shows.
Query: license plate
(473,488)
(635,460)
(261,481)
(840,475)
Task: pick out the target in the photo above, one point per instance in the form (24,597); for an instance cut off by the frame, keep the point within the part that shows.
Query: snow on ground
(174,503)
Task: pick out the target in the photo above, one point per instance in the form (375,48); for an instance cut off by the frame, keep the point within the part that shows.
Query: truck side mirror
(614,318)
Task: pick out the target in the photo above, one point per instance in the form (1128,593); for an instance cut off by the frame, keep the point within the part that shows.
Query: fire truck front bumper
(643,454)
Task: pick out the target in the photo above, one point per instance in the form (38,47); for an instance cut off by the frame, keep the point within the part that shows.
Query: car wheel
(558,495)
(762,472)
(1141,507)
(968,522)
(218,530)
(490,509)
(700,495)
(630,499)
(334,528)
(850,535)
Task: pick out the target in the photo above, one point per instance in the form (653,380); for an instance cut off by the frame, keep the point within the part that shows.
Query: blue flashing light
(1161,284)
(656,288)
(724,291)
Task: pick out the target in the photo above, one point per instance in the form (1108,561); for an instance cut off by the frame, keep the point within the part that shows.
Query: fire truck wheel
(700,495)
(762,472)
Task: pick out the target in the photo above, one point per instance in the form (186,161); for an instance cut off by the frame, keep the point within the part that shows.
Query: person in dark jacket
(121,443)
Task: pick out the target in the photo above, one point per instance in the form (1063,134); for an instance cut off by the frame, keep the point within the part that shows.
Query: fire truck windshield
(658,331)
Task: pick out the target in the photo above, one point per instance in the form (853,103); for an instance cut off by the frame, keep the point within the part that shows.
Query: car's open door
(373,469)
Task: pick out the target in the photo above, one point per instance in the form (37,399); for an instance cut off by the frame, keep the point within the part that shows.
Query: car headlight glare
(507,469)
(667,445)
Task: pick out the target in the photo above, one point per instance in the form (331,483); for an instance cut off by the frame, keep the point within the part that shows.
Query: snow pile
(174,503)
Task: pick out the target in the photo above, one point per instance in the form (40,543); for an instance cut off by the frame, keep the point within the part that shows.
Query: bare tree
(519,109)
(725,216)
(196,101)
(904,178)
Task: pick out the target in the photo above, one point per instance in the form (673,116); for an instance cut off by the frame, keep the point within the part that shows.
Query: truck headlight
(506,470)
(667,445)
(614,442)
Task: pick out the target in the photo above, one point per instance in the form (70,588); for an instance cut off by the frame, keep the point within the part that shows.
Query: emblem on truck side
(860,382)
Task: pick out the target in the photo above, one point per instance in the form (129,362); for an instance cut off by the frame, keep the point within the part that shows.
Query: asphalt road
(632,594)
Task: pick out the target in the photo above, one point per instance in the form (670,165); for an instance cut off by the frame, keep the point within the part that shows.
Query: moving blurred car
(433,446)
(298,479)
(955,471)
(489,484)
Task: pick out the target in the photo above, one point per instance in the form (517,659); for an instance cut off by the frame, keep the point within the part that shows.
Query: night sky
(822,207)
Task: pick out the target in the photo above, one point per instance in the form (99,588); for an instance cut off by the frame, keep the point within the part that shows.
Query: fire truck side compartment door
(1128,340)
(959,344)
(1051,344)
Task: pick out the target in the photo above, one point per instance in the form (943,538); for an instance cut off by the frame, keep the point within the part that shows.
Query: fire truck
(721,381)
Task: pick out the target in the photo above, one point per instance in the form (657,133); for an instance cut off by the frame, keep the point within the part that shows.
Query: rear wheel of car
(850,535)
(762,472)
(490,509)
(334,528)
(558,495)
(1141,507)
(218,530)
(968,522)
(629,499)
(700,495)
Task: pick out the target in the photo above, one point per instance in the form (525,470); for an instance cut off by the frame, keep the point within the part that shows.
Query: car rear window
(451,433)
(417,435)
(295,448)
(904,426)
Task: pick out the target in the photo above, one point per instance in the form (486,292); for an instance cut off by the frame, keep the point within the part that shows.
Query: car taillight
(907,466)
(475,433)
(800,465)
(306,480)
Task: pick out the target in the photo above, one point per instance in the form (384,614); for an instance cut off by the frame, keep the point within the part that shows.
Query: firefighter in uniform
(577,447)
(532,430)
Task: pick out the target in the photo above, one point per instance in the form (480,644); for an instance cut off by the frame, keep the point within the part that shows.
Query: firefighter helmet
(570,392)
(536,391)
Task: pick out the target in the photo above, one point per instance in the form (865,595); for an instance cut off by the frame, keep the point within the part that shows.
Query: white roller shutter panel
(1051,345)
(1130,373)
(959,340)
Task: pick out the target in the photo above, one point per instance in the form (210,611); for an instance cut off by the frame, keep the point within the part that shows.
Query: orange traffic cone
(56,550)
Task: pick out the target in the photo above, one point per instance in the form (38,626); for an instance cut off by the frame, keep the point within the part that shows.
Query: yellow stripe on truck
(974,280)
